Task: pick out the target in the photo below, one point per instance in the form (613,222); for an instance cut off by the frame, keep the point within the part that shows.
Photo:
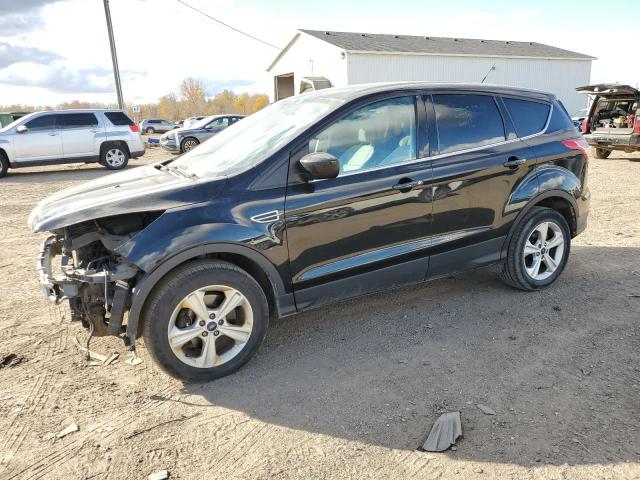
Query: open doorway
(283,86)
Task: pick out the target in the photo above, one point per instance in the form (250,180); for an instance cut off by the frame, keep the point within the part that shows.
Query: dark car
(187,138)
(317,198)
(613,120)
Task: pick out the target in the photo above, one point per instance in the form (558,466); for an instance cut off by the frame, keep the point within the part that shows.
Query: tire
(189,143)
(150,131)
(519,269)
(600,153)
(114,156)
(166,315)
(4,165)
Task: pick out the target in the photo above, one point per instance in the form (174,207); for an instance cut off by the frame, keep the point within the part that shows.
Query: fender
(284,301)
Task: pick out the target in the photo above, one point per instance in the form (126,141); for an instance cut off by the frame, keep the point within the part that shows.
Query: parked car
(109,137)
(187,122)
(578,117)
(612,122)
(317,198)
(156,125)
(187,138)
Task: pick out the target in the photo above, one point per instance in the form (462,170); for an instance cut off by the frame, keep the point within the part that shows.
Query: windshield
(246,143)
(16,122)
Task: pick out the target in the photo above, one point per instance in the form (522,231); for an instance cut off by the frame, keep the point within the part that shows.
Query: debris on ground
(557,308)
(69,429)
(110,359)
(134,359)
(92,355)
(444,433)
(486,410)
(10,360)
(159,475)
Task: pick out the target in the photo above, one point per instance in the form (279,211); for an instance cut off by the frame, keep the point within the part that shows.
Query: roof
(356,91)
(427,45)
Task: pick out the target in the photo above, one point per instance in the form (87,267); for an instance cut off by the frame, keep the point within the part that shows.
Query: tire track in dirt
(43,466)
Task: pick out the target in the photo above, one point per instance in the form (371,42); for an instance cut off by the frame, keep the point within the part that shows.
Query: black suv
(317,198)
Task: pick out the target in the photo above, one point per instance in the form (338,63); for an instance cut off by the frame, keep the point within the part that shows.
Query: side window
(378,135)
(528,117)
(218,123)
(78,120)
(44,122)
(560,120)
(467,121)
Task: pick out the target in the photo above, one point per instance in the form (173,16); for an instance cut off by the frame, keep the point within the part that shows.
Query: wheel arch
(262,270)
(189,137)
(104,145)
(557,200)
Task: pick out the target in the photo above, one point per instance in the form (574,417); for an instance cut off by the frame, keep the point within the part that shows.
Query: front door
(81,134)
(40,142)
(368,228)
(478,164)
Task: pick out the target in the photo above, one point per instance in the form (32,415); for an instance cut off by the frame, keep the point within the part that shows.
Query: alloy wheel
(543,250)
(115,157)
(210,326)
(189,145)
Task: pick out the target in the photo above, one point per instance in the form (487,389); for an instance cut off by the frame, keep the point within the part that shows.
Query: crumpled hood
(141,189)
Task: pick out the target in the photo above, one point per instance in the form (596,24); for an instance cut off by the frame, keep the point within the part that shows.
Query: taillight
(636,125)
(579,144)
(134,128)
(584,128)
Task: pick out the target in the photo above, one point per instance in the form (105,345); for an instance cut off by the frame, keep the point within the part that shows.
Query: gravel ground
(349,391)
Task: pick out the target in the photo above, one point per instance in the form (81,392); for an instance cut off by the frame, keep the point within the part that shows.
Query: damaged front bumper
(54,288)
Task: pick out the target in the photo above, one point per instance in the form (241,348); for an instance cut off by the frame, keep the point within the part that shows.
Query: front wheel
(150,131)
(114,157)
(600,153)
(4,165)
(189,144)
(538,250)
(205,321)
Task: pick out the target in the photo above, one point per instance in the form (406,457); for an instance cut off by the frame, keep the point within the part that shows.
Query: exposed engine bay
(96,281)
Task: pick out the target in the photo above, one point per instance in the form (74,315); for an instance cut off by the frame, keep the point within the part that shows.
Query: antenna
(493,67)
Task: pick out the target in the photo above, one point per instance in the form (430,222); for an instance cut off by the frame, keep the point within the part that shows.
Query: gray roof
(381,43)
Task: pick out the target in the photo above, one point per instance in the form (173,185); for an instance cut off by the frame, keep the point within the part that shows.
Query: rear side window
(467,121)
(77,120)
(118,118)
(560,120)
(45,122)
(528,117)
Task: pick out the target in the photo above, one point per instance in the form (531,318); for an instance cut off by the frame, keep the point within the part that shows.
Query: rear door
(367,229)
(41,142)
(81,135)
(479,163)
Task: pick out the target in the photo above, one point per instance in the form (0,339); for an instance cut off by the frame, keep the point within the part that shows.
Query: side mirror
(21,129)
(320,165)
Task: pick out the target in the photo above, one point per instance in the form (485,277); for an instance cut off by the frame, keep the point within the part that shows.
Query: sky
(53,51)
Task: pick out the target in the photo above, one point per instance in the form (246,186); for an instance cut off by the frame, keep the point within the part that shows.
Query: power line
(227,25)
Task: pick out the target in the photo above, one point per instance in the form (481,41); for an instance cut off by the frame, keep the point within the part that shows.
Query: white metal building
(318,59)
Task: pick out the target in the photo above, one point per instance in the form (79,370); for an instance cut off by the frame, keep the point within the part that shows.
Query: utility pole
(114,56)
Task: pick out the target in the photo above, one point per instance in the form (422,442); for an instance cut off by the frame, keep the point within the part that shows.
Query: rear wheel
(538,250)
(189,143)
(4,165)
(600,153)
(114,156)
(206,320)
(150,131)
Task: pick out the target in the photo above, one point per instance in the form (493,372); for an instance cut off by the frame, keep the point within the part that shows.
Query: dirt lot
(349,391)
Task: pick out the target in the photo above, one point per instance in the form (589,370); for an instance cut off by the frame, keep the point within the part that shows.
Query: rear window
(528,117)
(467,121)
(560,120)
(118,118)
(76,120)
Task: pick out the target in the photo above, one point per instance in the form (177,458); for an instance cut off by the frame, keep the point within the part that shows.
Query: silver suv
(108,137)
(156,125)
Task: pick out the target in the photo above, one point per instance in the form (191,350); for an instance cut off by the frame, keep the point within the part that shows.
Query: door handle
(53,134)
(406,186)
(514,162)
